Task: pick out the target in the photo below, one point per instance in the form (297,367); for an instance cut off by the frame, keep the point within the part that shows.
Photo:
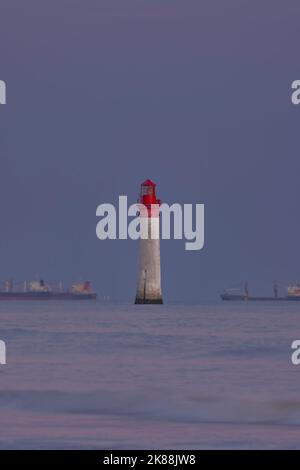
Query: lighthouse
(149,276)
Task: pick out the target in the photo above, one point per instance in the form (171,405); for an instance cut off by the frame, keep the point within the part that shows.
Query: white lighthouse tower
(149,277)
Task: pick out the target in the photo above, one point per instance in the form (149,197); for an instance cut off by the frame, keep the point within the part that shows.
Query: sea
(90,375)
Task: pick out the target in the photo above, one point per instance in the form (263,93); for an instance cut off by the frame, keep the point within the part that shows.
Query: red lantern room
(148,196)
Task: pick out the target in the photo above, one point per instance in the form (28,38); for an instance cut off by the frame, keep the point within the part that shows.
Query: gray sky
(192,94)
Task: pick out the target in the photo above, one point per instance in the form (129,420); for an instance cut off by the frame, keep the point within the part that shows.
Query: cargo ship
(40,290)
(293,294)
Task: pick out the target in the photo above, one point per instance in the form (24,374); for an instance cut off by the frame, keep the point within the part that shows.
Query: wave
(193,409)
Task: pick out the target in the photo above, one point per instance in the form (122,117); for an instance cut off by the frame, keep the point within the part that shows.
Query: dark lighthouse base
(148,301)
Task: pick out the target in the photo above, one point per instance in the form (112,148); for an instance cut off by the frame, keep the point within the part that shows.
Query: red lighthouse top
(148,195)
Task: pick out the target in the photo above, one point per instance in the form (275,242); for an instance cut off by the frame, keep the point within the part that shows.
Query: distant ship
(39,290)
(293,293)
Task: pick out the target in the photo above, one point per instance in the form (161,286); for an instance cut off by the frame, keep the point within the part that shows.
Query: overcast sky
(195,95)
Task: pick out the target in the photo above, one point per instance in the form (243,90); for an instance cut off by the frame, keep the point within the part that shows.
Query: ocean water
(84,375)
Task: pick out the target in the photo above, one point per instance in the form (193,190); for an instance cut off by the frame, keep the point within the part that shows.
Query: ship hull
(46,296)
(244,298)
